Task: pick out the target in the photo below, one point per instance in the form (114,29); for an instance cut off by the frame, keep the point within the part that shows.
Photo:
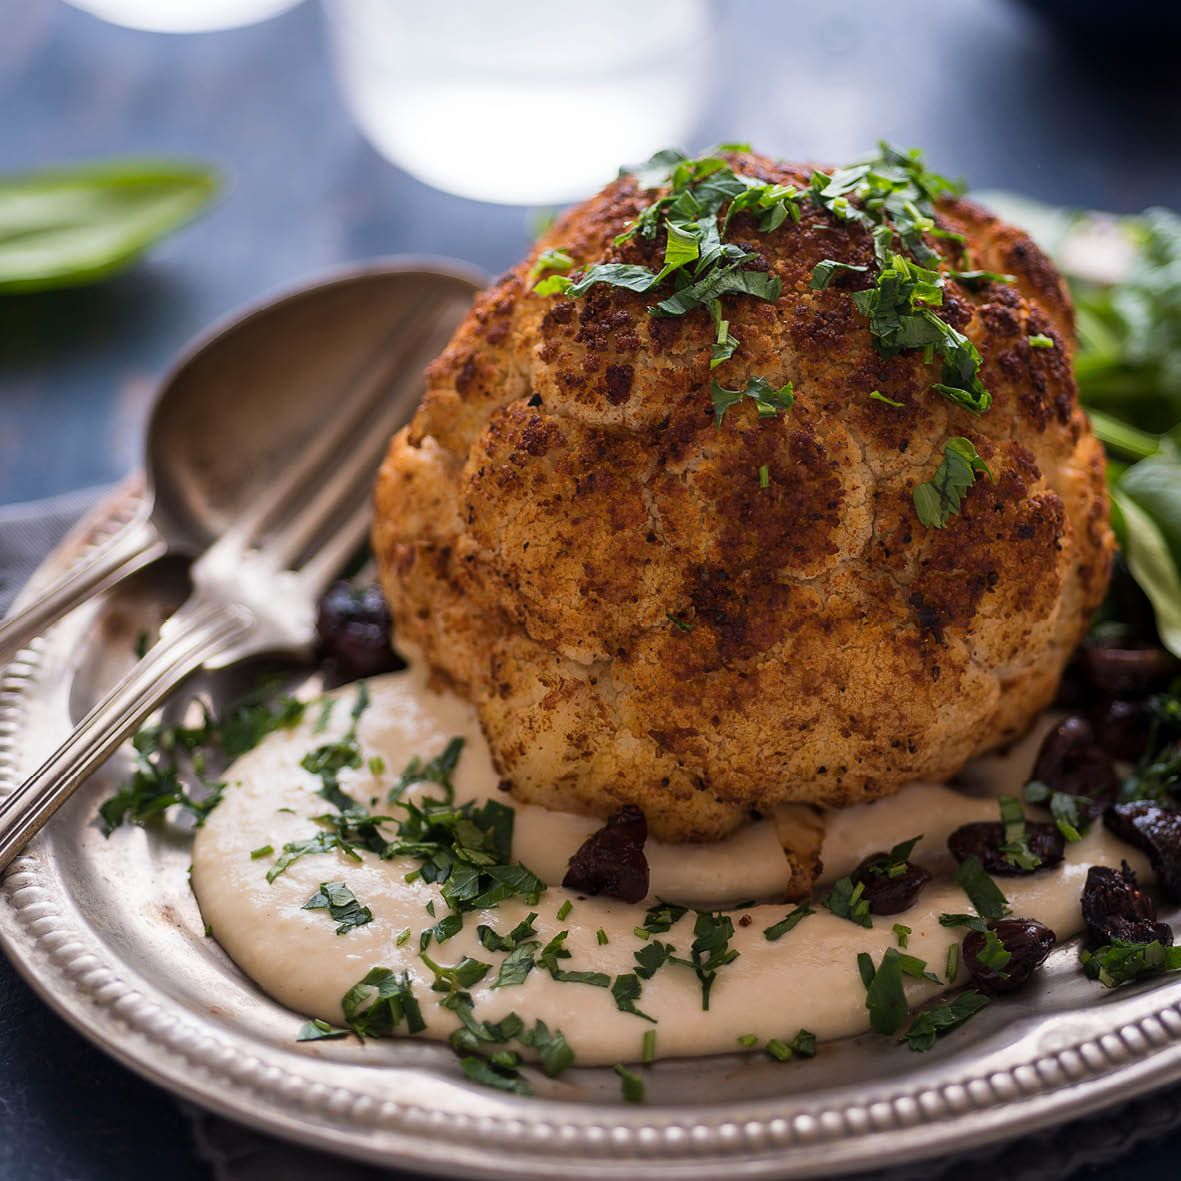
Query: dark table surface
(992,92)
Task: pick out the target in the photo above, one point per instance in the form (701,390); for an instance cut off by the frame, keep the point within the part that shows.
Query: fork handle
(196,633)
(132,548)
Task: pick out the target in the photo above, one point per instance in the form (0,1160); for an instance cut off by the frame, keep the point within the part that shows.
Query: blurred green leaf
(77,225)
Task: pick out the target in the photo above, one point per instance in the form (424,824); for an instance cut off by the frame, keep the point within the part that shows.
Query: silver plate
(109,934)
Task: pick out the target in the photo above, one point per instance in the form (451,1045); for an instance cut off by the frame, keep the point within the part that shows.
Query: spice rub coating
(574,544)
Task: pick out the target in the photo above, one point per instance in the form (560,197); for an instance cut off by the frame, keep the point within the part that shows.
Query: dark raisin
(1071,761)
(1115,907)
(611,861)
(1121,670)
(1074,689)
(1156,831)
(353,629)
(886,894)
(985,838)
(1027,941)
(1121,727)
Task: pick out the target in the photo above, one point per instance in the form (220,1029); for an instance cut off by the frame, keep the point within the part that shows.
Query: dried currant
(984,839)
(353,629)
(1156,831)
(611,861)
(1027,942)
(1074,689)
(1125,670)
(1071,761)
(889,888)
(1122,727)
(1115,907)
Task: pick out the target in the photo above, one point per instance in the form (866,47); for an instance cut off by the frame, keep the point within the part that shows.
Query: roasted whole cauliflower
(684,558)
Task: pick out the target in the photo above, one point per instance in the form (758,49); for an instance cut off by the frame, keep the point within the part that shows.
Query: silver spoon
(228,408)
(313,385)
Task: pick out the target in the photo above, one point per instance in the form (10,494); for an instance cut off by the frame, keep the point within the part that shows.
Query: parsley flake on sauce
(787,923)
(342,906)
(984,893)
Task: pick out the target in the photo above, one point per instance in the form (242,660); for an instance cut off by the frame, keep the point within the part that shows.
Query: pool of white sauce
(807,979)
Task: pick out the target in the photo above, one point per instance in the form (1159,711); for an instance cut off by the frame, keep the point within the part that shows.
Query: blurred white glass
(522,101)
(184,16)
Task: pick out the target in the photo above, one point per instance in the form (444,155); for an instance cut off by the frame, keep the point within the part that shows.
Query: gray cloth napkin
(236,1153)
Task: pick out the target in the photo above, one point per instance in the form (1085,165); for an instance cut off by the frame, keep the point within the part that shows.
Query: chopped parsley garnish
(330,759)
(380,1002)
(342,906)
(1157,774)
(319,1031)
(934,1023)
(648,1046)
(498,1071)
(846,900)
(1040,341)
(652,957)
(984,894)
(164,754)
(1016,850)
(878,396)
(438,770)
(885,999)
(555,952)
(803,1045)
(711,950)
(824,272)
(698,263)
(517,965)
(522,932)
(896,196)
(322,842)
(788,923)
(769,400)
(1071,813)
(896,862)
(975,279)
(1120,961)
(626,990)
(551,260)
(662,917)
(938,499)
(994,954)
(631,1086)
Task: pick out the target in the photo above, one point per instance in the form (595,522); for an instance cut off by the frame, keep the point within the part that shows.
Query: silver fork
(254,591)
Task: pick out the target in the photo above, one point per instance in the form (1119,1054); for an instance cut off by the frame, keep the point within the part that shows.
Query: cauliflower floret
(708,620)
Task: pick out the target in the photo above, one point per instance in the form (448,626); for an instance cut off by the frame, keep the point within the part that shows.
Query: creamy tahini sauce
(807,979)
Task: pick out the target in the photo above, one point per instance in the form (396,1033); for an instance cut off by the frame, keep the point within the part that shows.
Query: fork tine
(331,557)
(356,463)
(359,396)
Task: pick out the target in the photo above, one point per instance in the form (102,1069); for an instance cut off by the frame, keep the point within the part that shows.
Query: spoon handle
(198,632)
(132,548)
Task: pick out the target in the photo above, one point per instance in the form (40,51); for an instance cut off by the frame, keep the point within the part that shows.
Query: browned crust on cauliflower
(573,544)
